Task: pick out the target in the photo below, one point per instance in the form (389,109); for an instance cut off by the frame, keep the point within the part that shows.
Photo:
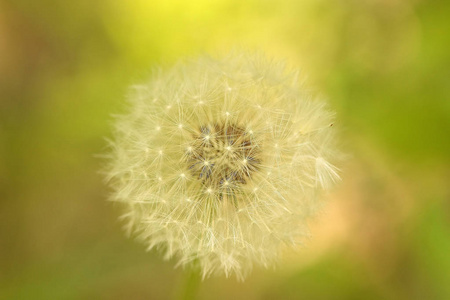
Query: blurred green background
(384,65)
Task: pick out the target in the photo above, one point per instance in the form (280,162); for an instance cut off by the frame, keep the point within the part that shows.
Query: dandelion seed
(241,175)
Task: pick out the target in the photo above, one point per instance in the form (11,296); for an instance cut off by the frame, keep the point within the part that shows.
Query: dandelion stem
(191,285)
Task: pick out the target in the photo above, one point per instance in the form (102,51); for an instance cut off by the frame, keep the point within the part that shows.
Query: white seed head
(205,187)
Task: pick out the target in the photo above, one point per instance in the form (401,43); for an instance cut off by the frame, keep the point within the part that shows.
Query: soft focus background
(384,65)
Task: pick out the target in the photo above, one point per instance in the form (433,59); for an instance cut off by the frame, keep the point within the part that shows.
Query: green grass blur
(384,65)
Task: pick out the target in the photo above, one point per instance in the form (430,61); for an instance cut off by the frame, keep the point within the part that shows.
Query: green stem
(191,285)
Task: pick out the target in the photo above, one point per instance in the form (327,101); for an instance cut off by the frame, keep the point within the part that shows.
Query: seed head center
(223,155)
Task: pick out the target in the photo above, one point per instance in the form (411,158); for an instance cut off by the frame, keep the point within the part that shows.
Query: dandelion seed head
(222,176)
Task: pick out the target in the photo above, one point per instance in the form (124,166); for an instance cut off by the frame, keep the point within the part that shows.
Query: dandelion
(222,162)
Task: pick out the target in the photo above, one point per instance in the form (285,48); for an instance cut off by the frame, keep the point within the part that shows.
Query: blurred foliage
(384,65)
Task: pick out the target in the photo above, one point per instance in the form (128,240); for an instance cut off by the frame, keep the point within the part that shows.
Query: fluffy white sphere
(222,162)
